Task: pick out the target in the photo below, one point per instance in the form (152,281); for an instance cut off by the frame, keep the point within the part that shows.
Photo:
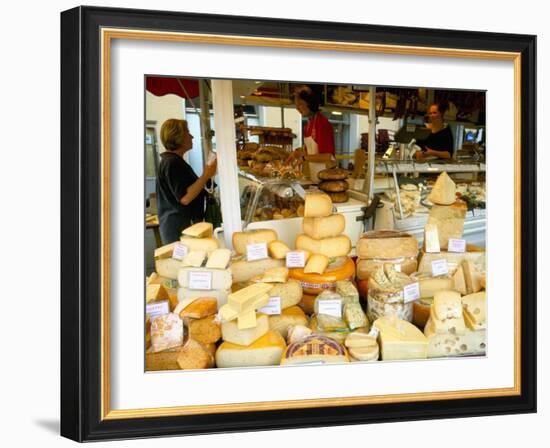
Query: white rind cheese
(324,227)
(242,239)
(337,246)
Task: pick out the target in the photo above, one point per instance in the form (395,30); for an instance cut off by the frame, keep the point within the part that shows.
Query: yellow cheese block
(264,351)
(288,317)
(242,239)
(459,282)
(278,250)
(218,259)
(429,285)
(289,292)
(337,246)
(454,259)
(168,267)
(447,305)
(164,251)
(194,259)
(444,345)
(316,264)
(472,277)
(244,298)
(386,244)
(244,271)
(156,292)
(199,230)
(449,220)
(400,339)
(206,244)
(246,320)
(324,227)
(475,310)
(187,296)
(317,205)
(451,325)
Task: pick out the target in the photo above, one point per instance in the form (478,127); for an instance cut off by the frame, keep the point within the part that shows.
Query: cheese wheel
(168,267)
(206,244)
(316,264)
(242,239)
(231,332)
(365,268)
(244,271)
(324,227)
(337,246)
(317,205)
(314,349)
(265,351)
(343,268)
(290,316)
(289,292)
(400,339)
(384,244)
(199,230)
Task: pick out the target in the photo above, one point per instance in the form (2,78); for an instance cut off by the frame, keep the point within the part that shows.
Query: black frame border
(81,223)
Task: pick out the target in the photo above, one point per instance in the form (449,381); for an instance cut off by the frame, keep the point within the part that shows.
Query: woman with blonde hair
(180,192)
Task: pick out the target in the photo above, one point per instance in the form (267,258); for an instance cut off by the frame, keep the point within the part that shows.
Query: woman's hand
(210,170)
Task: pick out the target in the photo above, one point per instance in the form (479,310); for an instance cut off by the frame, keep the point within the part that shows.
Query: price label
(330,307)
(200,280)
(157,309)
(411,292)
(456,245)
(256,251)
(397,267)
(180,251)
(272,307)
(440,267)
(296,259)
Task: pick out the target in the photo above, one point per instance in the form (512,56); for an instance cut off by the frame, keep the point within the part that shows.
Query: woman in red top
(318,132)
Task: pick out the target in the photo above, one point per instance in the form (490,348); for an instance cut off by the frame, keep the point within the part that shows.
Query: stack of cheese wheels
(457,325)
(376,248)
(323,238)
(253,253)
(248,341)
(333,182)
(284,297)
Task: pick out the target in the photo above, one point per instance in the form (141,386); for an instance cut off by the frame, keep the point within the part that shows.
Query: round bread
(333,186)
(333,174)
(338,198)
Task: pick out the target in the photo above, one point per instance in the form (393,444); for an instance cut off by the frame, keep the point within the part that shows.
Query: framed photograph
(410,236)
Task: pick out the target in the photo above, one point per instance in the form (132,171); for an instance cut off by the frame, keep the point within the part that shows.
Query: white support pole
(224,125)
(206,139)
(372,142)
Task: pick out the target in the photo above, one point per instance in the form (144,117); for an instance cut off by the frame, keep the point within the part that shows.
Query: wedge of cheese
(186,296)
(273,275)
(289,317)
(277,249)
(264,351)
(242,239)
(206,244)
(317,205)
(243,299)
(454,260)
(316,264)
(289,292)
(444,345)
(218,259)
(472,277)
(199,230)
(168,267)
(219,278)
(337,246)
(156,292)
(324,227)
(245,336)
(449,220)
(164,251)
(194,259)
(194,355)
(400,339)
(459,281)
(244,271)
(475,310)
(443,191)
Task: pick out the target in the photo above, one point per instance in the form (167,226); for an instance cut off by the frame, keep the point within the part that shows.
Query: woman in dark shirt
(440,142)
(180,192)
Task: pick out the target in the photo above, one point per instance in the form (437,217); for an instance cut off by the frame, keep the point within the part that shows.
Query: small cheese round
(265,351)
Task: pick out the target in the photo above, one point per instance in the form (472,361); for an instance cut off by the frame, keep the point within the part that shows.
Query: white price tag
(156,309)
(440,267)
(330,307)
(374,332)
(456,245)
(411,292)
(397,267)
(200,280)
(295,259)
(180,251)
(272,307)
(256,251)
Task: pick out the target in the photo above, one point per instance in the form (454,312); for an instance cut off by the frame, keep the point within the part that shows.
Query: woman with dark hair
(318,132)
(440,142)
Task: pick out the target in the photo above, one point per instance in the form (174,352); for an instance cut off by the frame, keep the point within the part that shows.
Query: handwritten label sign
(440,267)
(180,251)
(256,251)
(157,309)
(456,245)
(200,280)
(331,307)
(273,307)
(411,292)
(295,259)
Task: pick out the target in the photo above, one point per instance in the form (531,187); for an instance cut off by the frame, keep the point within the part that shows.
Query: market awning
(183,87)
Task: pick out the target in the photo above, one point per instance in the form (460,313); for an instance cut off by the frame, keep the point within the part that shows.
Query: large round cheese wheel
(324,227)
(342,268)
(241,240)
(265,351)
(365,268)
(314,349)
